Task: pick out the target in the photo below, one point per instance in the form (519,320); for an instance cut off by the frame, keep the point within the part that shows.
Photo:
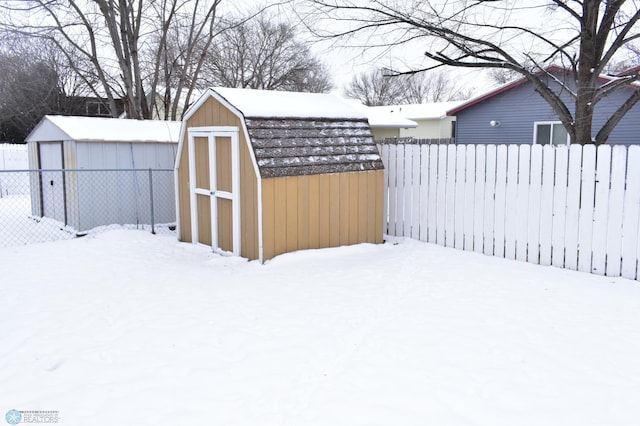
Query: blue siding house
(515,114)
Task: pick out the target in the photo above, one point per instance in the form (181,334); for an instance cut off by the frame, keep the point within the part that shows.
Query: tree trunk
(586,78)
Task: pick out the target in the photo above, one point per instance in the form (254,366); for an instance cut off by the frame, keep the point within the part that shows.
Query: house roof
(434,110)
(629,71)
(98,129)
(381,118)
(513,84)
(295,134)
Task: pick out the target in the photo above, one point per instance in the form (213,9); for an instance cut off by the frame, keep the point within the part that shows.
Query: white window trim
(535,132)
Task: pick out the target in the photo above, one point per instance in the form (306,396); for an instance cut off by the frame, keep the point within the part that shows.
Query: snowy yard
(17,226)
(129,328)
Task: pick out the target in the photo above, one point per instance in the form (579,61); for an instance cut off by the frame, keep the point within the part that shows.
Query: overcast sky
(344,59)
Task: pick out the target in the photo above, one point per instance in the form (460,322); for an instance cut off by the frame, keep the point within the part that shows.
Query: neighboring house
(431,119)
(91,106)
(159,103)
(515,114)
(384,124)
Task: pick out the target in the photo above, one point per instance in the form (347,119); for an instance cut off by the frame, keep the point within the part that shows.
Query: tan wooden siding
(203,177)
(223,169)
(321,211)
(225,224)
(203,203)
(212,113)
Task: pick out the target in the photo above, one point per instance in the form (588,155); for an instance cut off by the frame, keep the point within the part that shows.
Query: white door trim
(211,133)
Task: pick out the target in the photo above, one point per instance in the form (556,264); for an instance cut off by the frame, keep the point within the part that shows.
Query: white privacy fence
(574,207)
(13,157)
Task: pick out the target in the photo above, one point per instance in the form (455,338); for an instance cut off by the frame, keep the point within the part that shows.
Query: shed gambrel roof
(294,134)
(295,146)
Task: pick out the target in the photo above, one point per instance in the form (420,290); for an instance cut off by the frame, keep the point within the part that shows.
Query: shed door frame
(211,133)
(42,178)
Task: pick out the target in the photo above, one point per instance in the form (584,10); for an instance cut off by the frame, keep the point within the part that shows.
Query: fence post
(153,229)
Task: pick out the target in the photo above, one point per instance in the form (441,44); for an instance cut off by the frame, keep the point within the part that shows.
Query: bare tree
(503,75)
(432,86)
(376,88)
(179,53)
(103,41)
(262,54)
(381,87)
(28,91)
(33,84)
(582,36)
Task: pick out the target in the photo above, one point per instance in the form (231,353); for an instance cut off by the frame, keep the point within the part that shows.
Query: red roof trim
(486,96)
(630,71)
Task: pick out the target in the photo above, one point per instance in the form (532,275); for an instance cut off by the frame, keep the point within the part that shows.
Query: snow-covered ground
(125,327)
(17,226)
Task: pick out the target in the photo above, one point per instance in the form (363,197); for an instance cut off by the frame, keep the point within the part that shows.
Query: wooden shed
(83,183)
(260,173)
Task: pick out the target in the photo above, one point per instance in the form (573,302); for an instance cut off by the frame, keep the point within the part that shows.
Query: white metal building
(62,147)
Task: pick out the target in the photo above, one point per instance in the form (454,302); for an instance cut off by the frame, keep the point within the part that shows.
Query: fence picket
(559,206)
(469,195)
(425,182)
(393,189)
(415,199)
(441,202)
(511,203)
(573,208)
(587,205)
(522,203)
(603,170)
(500,202)
(459,218)
(432,213)
(399,200)
(616,203)
(631,215)
(533,223)
(450,196)
(478,208)
(489,199)
(546,204)
(408,190)
(384,155)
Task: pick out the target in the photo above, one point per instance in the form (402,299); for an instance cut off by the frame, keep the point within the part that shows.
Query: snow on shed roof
(294,134)
(302,146)
(279,104)
(99,129)
(380,117)
(434,110)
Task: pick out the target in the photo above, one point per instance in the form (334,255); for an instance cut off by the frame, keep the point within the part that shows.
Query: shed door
(214,164)
(52,181)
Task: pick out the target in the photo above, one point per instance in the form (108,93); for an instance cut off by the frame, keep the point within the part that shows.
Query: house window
(97,109)
(550,133)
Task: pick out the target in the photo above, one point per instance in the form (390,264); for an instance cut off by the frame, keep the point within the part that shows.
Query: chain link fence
(46,205)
